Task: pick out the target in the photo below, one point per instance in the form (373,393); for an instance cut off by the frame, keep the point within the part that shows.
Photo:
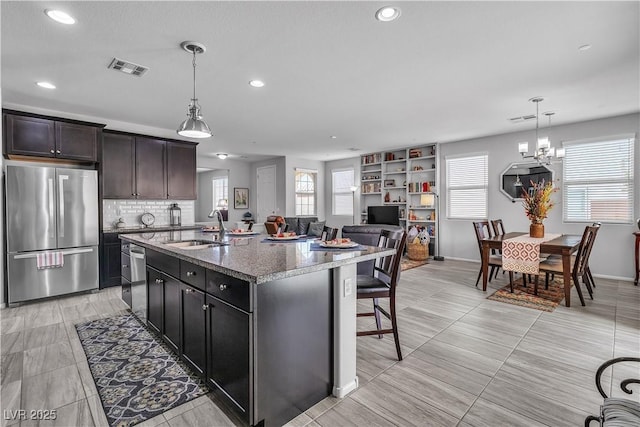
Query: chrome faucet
(220,221)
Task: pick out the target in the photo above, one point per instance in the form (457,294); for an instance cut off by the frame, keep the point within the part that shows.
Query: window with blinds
(597,180)
(467,182)
(305,182)
(220,195)
(341,182)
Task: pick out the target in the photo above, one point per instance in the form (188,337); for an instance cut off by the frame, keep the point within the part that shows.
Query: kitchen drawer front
(192,274)
(164,263)
(229,289)
(125,269)
(126,292)
(124,247)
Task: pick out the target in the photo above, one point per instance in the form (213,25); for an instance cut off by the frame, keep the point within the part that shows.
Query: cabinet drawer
(126,292)
(229,289)
(125,268)
(162,262)
(124,247)
(192,274)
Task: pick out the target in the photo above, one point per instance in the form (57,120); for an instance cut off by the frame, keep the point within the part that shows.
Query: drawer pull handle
(188,290)
(223,287)
(52,151)
(205,307)
(125,266)
(159,281)
(191,273)
(58,151)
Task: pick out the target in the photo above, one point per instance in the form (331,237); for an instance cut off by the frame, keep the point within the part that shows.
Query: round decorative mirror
(519,176)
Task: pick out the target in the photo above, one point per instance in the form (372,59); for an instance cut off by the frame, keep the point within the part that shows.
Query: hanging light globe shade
(194,126)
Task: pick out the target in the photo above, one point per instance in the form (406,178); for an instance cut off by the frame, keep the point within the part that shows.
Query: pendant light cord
(194,74)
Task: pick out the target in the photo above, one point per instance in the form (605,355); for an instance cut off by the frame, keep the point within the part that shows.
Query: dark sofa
(366,234)
(299,224)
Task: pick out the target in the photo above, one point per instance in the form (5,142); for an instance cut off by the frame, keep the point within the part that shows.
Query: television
(389,215)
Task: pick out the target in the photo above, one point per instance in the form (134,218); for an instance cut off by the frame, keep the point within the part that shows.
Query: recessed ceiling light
(222,156)
(388,13)
(46,85)
(256,83)
(585,47)
(60,16)
(333,137)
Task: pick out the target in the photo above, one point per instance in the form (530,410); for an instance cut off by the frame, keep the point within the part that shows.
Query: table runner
(522,253)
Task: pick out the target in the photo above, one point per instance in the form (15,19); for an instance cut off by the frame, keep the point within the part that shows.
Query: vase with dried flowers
(537,203)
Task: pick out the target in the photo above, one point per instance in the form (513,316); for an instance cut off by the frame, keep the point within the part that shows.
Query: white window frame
(225,191)
(342,192)
(314,175)
(581,179)
(473,183)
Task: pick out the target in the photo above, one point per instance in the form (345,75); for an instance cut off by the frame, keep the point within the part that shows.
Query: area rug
(406,263)
(136,375)
(546,300)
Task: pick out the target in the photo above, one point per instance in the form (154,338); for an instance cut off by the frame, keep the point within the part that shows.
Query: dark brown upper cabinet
(39,136)
(181,171)
(140,167)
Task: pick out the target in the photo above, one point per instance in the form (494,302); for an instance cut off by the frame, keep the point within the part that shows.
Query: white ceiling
(444,71)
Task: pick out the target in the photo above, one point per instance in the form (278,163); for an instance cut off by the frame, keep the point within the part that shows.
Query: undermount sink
(195,244)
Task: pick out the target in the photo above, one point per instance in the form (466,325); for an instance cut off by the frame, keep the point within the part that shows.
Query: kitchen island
(270,325)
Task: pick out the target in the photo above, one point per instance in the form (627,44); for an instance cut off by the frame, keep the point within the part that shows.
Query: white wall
(613,251)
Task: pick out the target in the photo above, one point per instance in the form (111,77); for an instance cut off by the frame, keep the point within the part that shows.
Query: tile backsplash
(130,211)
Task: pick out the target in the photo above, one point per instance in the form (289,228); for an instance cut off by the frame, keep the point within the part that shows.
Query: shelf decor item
(537,203)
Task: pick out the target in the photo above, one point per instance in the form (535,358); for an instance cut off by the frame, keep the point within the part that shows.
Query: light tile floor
(467,361)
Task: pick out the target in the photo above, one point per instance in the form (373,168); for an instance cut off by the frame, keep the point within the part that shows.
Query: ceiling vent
(521,119)
(128,67)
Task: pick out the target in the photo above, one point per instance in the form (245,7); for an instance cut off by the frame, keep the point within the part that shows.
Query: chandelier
(194,126)
(544,153)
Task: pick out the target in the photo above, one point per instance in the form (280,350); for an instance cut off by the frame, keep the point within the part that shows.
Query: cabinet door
(181,171)
(150,176)
(171,313)
(29,136)
(155,295)
(111,265)
(193,327)
(118,161)
(126,292)
(229,336)
(76,142)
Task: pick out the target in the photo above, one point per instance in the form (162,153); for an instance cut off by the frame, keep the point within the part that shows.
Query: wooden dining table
(564,245)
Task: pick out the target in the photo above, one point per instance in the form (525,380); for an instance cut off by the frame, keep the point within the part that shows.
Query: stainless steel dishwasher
(138,281)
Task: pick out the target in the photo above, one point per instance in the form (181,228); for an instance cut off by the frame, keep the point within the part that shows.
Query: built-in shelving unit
(406,178)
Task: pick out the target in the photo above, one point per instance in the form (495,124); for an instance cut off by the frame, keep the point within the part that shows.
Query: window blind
(467,182)
(341,183)
(598,181)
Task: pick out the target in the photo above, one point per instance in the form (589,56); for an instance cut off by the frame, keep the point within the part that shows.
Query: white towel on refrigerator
(49,260)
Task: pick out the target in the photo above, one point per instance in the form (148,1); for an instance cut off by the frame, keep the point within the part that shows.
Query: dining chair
(483,231)
(329,233)
(579,263)
(273,223)
(383,284)
(498,227)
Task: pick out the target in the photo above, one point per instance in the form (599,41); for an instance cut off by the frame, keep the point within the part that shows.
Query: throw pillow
(315,228)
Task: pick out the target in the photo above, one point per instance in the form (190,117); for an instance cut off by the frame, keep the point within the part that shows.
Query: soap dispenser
(175,215)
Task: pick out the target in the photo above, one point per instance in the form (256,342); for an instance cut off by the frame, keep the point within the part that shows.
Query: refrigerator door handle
(61,180)
(67,252)
(52,224)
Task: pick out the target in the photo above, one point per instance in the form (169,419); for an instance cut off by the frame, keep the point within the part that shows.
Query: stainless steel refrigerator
(52,213)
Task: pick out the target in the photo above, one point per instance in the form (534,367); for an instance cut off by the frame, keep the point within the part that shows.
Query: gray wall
(613,251)
(339,220)
(290,198)
(238,173)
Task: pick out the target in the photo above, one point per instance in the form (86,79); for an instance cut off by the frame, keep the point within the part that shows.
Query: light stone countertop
(251,259)
(152,229)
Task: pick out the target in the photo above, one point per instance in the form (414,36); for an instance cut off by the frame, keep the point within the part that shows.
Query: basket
(417,251)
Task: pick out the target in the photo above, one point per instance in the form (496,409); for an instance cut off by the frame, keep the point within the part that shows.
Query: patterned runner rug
(136,375)
(546,300)
(406,263)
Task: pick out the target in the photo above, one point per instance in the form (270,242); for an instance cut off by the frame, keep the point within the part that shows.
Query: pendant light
(194,126)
